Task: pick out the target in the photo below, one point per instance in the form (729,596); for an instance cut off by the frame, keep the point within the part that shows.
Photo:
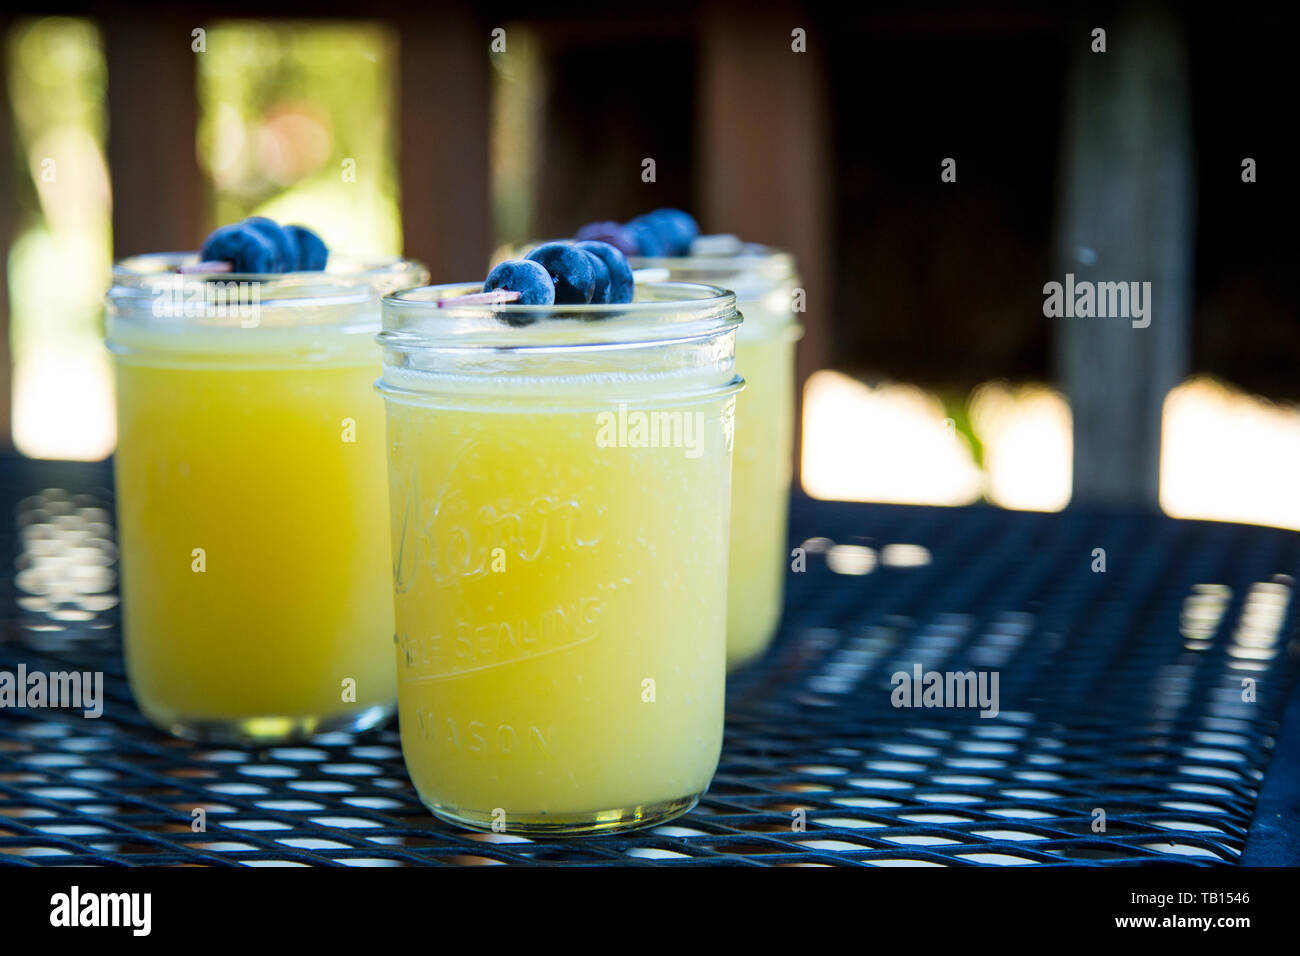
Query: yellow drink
(252,508)
(560,583)
(760,495)
(763,281)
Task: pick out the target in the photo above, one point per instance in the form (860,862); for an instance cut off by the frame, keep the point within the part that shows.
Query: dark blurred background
(928,373)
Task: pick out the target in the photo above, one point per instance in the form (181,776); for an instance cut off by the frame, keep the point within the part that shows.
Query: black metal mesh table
(1121,693)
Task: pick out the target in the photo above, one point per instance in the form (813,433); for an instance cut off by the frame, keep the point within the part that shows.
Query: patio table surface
(1145,712)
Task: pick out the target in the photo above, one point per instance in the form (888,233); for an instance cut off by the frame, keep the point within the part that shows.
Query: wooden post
(152,120)
(445,89)
(1127,215)
(764,154)
(7,173)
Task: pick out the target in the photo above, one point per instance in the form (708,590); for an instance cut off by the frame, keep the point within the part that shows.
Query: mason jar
(765,283)
(252,499)
(384,274)
(559,481)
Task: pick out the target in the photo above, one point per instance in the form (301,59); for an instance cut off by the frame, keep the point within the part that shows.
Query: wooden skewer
(206,267)
(496,297)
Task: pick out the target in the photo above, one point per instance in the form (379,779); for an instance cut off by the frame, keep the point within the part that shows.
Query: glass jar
(764,282)
(252,502)
(560,492)
(384,273)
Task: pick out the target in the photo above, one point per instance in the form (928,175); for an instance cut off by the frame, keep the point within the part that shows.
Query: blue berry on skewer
(683,227)
(569,268)
(312,251)
(600,272)
(525,276)
(674,228)
(620,273)
(244,248)
(649,244)
(614,233)
(286,248)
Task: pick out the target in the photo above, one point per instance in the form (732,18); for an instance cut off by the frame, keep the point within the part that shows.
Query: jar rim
(140,269)
(285,290)
(767,262)
(663,311)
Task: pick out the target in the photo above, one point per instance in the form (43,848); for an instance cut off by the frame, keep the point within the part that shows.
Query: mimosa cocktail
(252,502)
(764,281)
(560,496)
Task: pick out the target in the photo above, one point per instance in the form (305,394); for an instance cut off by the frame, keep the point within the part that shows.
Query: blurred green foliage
(518,91)
(59,260)
(297,122)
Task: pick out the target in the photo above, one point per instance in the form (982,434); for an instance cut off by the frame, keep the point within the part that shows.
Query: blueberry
(570,269)
(648,243)
(600,272)
(286,247)
(524,276)
(676,229)
(246,249)
(312,251)
(683,227)
(620,273)
(612,232)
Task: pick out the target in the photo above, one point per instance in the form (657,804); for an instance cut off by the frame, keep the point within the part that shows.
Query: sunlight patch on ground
(1226,455)
(1230,456)
(884,443)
